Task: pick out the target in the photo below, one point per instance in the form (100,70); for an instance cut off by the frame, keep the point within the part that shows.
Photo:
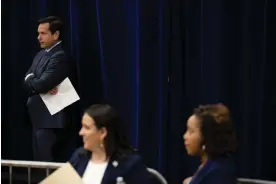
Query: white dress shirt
(94,173)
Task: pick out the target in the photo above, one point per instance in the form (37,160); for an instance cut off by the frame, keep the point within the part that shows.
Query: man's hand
(187,180)
(53,91)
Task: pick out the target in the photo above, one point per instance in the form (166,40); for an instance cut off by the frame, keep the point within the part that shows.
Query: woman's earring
(203,147)
(101,144)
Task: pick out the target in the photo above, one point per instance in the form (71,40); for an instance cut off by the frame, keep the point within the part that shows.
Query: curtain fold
(155,61)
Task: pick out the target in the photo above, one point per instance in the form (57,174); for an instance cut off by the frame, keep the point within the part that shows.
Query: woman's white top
(94,173)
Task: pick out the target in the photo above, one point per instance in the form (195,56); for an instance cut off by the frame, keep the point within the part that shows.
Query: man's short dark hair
(217,130)
(56,24)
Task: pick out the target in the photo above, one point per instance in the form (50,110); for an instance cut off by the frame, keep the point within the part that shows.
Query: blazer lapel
(110,172)
(84,159)
(202,172)
(38,59)
(45,56)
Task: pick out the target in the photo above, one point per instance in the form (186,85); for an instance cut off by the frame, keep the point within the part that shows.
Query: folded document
(64,175)
(65,96)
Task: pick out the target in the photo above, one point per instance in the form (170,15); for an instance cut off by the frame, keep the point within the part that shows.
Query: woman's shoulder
(223,166)
(131,157)
(130,160)
(224,162)
(216,171)
(80,151)
(133,169)
(78,154)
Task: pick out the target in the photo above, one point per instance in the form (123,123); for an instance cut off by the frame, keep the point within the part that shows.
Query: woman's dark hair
(116,142)
(217,130)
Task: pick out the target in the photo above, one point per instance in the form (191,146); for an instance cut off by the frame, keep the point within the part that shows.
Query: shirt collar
(47,50)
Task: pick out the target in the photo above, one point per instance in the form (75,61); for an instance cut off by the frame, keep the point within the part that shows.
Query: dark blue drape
(154,61)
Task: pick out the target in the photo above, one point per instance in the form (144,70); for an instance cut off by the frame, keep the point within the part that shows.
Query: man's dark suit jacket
(217,171)
(130,167)
(49,69)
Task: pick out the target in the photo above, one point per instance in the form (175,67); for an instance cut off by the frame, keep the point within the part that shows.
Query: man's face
(45,37)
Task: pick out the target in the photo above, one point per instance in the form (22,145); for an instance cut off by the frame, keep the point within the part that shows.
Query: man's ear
(56,35)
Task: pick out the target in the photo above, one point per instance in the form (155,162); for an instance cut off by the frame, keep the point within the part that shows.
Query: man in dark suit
(49,68)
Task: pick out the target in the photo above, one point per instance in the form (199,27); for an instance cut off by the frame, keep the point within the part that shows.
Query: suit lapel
(42,62)
(110,172)
(37,59)
(202,172)
(85,158)
(83,166)
(45,56)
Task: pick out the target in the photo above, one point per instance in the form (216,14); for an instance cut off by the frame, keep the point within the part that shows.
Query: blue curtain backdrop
(154,61)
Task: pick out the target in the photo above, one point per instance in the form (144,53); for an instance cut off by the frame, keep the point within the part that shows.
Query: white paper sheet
(64,175)
(65,96)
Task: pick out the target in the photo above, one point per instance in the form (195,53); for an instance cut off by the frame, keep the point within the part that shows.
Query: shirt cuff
(28,76)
